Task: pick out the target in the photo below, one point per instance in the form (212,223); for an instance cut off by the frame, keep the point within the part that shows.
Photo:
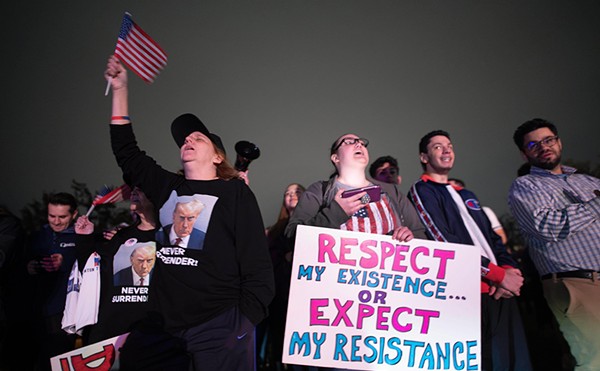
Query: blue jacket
(443,221)
(52,286)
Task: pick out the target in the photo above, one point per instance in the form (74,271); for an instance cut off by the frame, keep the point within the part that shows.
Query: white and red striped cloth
(375,217)
(116,195)
(138,51)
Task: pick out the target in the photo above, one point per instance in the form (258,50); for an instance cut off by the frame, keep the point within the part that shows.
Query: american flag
(375,217)
(138,51)
(109,196)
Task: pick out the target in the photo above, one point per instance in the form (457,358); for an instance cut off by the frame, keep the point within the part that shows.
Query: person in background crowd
(524,169)
(494,221)
(51,254)
(454,215)
(15,322)
(385,169)
(281,256)
(558,211)
(118,311)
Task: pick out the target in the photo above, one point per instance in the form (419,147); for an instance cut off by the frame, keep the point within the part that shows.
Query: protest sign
(368,302)
(100,356)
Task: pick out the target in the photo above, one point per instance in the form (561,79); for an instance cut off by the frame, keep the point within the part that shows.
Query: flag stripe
(375,217)
(142,54)
(135,61)
(151,47)
(138,51)
(131,62)
(109,198)
(118,194)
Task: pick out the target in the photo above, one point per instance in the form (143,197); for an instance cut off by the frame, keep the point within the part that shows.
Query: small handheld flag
(108,195)
(138,51)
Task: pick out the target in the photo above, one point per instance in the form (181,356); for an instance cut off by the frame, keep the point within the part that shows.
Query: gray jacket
(316,208)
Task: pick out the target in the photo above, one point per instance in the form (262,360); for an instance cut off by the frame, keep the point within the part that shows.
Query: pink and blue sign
(367,302)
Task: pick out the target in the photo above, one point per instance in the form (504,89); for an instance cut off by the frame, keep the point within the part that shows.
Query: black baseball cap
(188,123)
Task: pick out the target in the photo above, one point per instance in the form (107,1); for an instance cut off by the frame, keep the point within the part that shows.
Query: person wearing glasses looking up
(558,211)
(385,169)
(322,203)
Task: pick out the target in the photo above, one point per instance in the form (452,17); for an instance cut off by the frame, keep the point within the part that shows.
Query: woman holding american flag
(209,296)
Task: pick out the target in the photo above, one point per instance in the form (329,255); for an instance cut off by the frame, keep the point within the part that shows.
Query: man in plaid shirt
(558,211)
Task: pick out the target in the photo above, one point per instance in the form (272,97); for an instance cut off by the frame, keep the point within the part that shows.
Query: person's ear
(423,158)
(335,158)
(217,159)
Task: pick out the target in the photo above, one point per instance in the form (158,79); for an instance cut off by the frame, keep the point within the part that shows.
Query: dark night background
(291,76)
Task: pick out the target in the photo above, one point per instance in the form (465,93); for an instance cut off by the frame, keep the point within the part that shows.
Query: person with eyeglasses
(558,212)
(322,203)
(385,169)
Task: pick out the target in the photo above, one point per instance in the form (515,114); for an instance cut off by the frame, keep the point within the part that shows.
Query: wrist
(120,118)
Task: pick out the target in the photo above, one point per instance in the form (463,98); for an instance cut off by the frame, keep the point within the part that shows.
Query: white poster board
(100,356)
(367,302)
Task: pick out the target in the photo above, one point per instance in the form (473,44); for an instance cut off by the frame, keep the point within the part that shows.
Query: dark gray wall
(291,76)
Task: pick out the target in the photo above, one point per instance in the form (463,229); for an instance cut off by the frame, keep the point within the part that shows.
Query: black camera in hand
(246,153)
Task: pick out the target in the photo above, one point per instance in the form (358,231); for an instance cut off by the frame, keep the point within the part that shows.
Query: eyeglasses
(536,146)
(350,141)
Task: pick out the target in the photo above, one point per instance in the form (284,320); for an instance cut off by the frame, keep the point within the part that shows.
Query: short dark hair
(524,169)
(427,138)
(457,181)
(63,198)
(379,162)
(529,126)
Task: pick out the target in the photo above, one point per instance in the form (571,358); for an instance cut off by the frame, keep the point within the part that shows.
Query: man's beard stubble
(546,165)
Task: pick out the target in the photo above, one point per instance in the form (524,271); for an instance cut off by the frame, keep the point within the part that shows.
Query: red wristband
(121,118)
